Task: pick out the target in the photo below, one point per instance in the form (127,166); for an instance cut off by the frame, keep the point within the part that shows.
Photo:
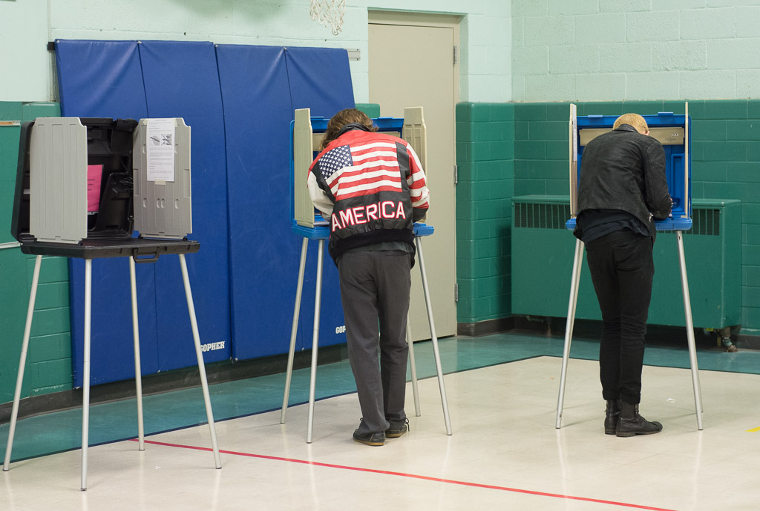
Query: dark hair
(343,119)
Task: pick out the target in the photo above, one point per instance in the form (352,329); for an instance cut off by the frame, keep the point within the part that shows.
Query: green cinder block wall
(371,109)
(485,162)
(725,165)
(542,261)
(48,367)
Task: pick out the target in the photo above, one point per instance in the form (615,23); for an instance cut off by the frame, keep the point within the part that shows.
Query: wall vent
(531,215)
(541,216)
(706,222)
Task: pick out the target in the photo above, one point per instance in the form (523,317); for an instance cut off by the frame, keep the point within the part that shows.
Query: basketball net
(329,13)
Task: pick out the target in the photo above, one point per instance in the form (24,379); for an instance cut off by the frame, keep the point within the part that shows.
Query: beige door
(414,65)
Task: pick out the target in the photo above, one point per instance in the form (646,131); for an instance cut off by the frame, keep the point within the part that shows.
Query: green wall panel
(708,130)
(14,299)
(10,110)
(48,366)
(371,109)
(556,186)
(47,376)
(52,295)
(12,262)
(542,259)
(50,321)
(743,130)
(50,347)
(9,137)
(53,269)
(30,111)
(485,161)
(728,109)
(742,171)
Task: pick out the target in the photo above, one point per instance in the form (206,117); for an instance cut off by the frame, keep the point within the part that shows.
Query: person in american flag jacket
(370,187)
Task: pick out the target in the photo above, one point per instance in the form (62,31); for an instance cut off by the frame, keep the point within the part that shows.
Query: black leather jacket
(625,170)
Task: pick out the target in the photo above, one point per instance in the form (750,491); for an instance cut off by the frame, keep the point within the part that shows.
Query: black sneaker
(397,428)
(373,439)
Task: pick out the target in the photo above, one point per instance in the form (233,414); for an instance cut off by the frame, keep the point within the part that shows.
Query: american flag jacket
(370,187)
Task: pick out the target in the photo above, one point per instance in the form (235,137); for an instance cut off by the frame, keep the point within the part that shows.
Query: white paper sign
(160,149)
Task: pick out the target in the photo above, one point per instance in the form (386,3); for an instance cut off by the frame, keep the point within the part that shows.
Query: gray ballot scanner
(83,186)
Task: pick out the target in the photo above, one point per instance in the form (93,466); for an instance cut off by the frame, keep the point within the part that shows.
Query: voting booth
(673,132)
(82,186)
(94,188)
(306,137)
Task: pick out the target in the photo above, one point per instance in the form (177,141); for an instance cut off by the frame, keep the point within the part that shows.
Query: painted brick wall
(725,164)
(48,367)
(485,154)
(603,50)
(27,26)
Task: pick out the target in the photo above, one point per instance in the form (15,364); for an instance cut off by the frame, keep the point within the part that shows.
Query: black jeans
(622,269)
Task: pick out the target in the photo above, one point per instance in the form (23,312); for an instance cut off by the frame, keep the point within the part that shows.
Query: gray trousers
(374,288)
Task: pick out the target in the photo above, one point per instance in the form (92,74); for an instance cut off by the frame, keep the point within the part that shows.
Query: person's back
(624,170)
(370,186)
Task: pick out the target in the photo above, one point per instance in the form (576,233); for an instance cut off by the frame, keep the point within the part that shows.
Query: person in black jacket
(622,188)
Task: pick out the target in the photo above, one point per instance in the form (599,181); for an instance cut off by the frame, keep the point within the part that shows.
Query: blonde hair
(634,120)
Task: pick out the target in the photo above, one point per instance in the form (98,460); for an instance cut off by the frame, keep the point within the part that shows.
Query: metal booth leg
(572,302)
(413,368)
(22,361)
(138,370)
(294,329)
(433,337)
(690,331)
(86,374)
(199,356)
(315,342)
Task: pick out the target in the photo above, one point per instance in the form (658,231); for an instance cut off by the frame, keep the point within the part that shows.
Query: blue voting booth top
(319,125)
(675,156)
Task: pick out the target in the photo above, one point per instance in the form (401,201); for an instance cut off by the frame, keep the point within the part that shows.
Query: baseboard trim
(487,327)
(217,372)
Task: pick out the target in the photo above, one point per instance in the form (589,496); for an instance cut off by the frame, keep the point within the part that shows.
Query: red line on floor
(412,476)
